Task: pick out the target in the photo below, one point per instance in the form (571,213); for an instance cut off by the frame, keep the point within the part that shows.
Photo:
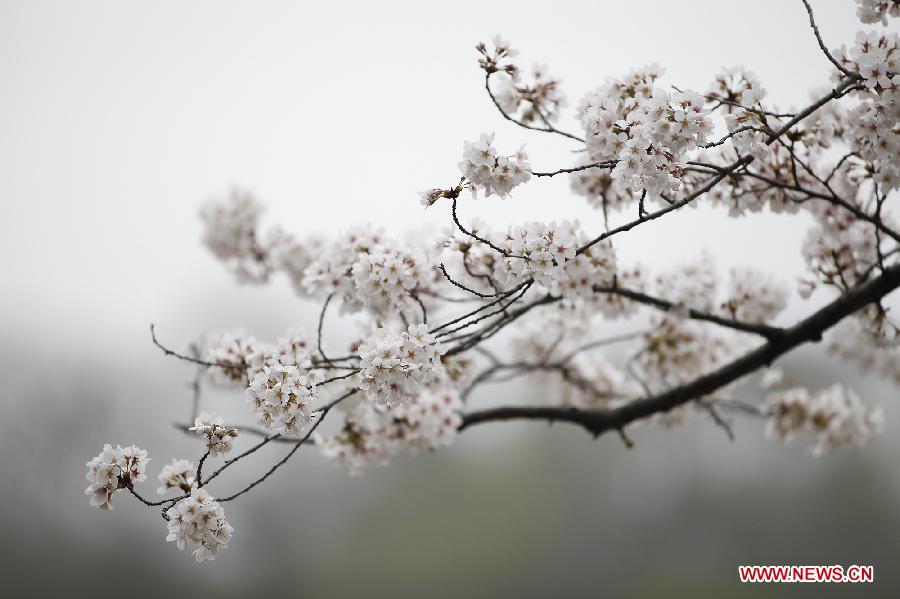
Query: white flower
(212,429)
(874,57)
(282,396)
(491,172)
(598,187)
(853,343)
(179,474)
(835,417)
(877,11)
(395,367)
(738,86)
(872,130)
(199,520)
(771,377)
(113,470)
(646,128)
(678,351)
(368,271)
(840,251)
(692,285)
(754,296)
(532,101)
(748,141)
(373,433)
(231,234)
(232,350)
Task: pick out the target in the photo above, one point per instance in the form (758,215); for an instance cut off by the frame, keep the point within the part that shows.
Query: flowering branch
(810,329)
(542,288)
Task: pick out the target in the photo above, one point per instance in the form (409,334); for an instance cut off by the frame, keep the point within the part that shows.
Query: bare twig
(831,59)
(546,129)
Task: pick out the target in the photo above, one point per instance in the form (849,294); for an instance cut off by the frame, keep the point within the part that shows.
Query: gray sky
(118,118)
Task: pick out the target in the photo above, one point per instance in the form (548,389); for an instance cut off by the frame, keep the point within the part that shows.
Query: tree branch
(597,422)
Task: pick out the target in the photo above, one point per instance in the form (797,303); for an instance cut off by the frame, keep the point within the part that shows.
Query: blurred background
(118,118)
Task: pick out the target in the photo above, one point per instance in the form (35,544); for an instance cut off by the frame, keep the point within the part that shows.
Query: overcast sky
(118,118)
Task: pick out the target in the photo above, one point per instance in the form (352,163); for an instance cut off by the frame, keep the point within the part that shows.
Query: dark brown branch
(834,199)
(169,352)
(468,233)
(518,293)
(603,164)
(459,285)
(320,327)
(471,313)
(764,330)
(477,337)
(724,172)
(721,141)
(283,460)
(199,476)
(149,503)
(810,329)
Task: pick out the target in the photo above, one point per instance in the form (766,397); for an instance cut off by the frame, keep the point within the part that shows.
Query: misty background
(117,119)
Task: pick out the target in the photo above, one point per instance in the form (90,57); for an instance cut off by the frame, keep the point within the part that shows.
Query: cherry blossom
(199,520)
(114,470)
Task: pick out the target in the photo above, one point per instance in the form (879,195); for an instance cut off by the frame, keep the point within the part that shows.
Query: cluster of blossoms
(877,11)
(875,58)
(743,194)
(853,343)
(369,271)
(241,356)
(374,433)
(841,253)
(584,381)
(395,367)
(280,379)
(179,474)
(282,397)
(751,295)
(835,417)
(690,286)
(660,131)
(840,250)
(199,520)
(233,352)
(548,254)
(599,188)
(113,470)
(217,436)
(647,129)
(232,234)
(747,124)
(540,251)
(596,384)
(365,269)
(497,59)
(677,351)
(874,124)
(754,296)
(538,100)
(491,172)
(736,88)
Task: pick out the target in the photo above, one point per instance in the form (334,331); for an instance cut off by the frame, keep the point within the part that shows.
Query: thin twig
(831,59)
